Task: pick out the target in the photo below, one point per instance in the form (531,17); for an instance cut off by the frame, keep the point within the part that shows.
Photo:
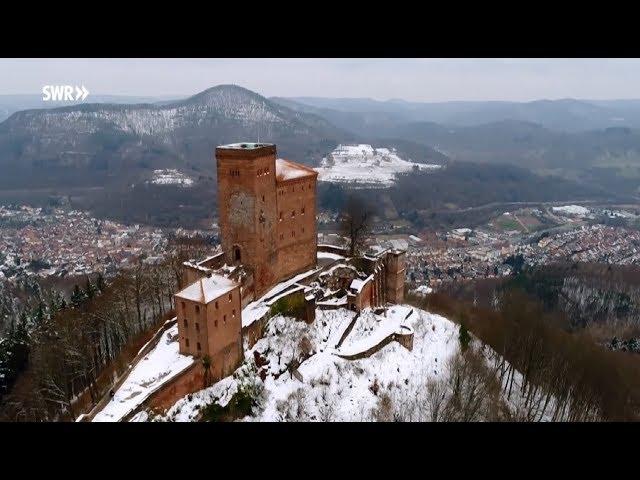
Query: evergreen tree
(100,285)
(464,337)
(77,297)
(90,289)
(53,308)
(39,315)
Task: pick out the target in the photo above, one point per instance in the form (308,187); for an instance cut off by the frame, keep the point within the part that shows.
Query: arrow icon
(81,93)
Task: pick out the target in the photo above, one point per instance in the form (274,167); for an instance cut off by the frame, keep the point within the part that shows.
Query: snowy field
(171,176)
(332,388)
(366,165)
(160,365)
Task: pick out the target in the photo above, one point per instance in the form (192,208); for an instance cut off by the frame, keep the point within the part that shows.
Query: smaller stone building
(209,313)
(384,282)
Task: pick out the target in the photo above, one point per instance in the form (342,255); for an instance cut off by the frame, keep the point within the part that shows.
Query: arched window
(236,254)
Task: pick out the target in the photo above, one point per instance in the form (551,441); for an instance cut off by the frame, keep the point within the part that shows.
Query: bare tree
(436,398)
(356,224)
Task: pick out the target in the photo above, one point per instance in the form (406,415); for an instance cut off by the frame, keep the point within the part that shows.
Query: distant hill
(102,154)
(568,115)
(529,135)
(100,143)
(14,103)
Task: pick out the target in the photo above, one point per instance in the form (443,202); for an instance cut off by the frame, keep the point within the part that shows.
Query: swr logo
(63,93)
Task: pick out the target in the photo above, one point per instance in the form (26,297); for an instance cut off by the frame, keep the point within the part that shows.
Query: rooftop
(207,289)
(288,170)
(246,146)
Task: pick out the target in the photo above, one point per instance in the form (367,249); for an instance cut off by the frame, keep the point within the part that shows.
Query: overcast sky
(382,79)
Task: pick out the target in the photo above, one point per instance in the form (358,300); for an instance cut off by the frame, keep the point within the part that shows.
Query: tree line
(544,371)
(59,348)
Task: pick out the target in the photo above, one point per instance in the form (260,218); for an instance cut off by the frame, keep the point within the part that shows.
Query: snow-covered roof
(207,289)
(357,284)
(245,145)
(288,170)
(155,369)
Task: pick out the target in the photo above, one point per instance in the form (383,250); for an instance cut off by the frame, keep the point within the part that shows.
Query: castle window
(198,309)
(233,314)
(216,304)
(186,342)
(183,306)
(263,198)
(215,323)
(186,324)
(302,211)
(293,213)
(230,296)
(293,233)
(198,346)
(224,319)
(280,215)
(302,229)
(282,236)
(197,327)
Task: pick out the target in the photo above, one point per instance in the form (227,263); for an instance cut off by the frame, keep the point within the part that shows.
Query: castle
(267,219)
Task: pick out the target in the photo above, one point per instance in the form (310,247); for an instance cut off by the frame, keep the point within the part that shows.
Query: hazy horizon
(411,80)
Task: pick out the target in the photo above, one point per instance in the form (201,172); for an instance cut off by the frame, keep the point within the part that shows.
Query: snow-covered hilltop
(342,367)
(328,386)
(365,165)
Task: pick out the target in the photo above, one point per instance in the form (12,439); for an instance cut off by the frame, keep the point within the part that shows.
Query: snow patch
(171,176)
(571,210)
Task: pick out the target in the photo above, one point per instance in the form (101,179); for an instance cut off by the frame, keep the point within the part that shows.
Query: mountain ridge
(183,133)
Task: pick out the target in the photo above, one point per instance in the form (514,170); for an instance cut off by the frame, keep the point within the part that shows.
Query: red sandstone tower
(267,212)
